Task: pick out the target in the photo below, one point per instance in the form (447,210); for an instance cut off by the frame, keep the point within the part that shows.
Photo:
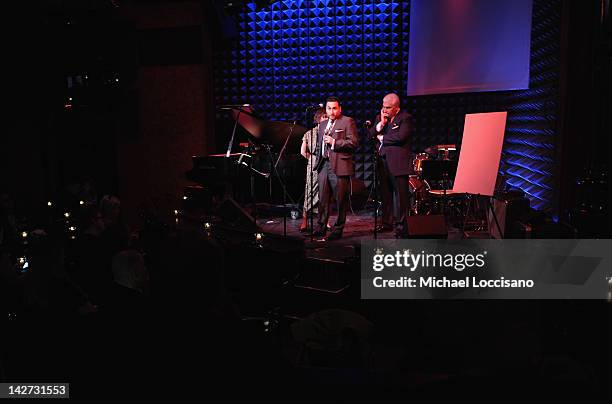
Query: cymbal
(446,147)
(432,151)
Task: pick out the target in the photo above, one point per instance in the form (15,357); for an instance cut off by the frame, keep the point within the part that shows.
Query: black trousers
(395,189)
(332,184)
(388,194)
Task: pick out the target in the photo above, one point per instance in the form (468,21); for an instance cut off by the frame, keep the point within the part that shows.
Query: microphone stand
(375,172)
(229,189)
(311,151)
(271,161)
(252,171)
(231,142)
(280,155)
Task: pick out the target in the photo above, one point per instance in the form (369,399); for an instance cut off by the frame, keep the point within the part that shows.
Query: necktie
(328,129)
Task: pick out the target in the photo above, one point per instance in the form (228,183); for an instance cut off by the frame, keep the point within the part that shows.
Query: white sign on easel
(481,147)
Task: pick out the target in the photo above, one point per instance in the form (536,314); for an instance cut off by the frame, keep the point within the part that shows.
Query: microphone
(367,124)
(314,106)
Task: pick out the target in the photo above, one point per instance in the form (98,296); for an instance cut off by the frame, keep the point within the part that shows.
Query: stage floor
(359,227)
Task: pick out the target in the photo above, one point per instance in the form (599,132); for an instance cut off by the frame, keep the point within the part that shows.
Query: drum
(418,186)
(417,163)
(420,189)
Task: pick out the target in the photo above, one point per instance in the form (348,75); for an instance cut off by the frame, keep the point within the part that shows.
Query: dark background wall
(173,106)
(118,93)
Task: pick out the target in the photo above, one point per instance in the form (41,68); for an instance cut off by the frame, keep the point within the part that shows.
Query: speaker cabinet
(509,212)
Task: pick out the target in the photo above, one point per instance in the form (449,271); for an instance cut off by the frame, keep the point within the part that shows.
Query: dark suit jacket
(347,140)
(396,143)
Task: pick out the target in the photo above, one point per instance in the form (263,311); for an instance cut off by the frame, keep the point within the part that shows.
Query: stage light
(259,237)
(81,203)
(24,234)
(176,212)
(207,226)
(72,228)
(49,203)
(66,215)
(185,198)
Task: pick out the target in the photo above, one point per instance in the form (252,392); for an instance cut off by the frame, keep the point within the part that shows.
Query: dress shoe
(334,236)
(383,228)
(320,233)
(304,226)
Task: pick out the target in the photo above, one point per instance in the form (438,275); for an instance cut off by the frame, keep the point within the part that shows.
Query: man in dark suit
(392,129)
(338,139)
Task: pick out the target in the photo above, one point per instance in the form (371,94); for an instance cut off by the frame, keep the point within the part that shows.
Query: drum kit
(426,199)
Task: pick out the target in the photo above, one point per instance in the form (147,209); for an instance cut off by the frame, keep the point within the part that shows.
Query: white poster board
(483,139)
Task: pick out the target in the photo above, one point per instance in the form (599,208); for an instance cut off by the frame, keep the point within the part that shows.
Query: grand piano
(215,169)
(258,165)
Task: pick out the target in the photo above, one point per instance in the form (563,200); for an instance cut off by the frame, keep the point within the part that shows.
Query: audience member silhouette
(91,268)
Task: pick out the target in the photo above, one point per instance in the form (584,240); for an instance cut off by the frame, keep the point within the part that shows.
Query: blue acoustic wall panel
(292,53)
(528,158)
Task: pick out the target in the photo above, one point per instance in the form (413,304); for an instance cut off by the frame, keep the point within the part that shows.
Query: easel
(483,139)
(472,206)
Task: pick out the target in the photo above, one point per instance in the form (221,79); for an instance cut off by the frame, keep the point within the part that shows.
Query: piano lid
(271,132)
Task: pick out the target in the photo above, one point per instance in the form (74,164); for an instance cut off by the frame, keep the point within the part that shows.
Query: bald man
(392,130)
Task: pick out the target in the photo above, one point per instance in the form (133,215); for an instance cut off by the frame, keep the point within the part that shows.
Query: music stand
(439,170)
